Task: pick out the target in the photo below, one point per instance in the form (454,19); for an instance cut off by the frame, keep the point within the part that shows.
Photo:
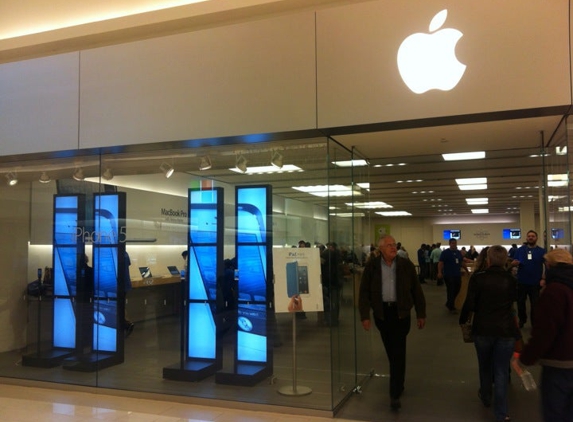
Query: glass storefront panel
(557,190)
(111,230)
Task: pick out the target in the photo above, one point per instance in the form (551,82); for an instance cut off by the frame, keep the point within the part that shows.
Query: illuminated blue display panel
(452,234)
(511,234)
(205,261)
(252,243)
(68,247)
(108,258)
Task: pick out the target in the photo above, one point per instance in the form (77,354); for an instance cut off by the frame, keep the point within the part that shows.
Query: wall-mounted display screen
(452,234)
(557,233)
(511,234)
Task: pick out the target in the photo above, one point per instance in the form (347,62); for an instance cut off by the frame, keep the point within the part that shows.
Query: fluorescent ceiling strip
(458,156)
(369,205)
(477,201)
(287,168)
(350,163)
(480,211)
(393,213)
(472,181)
(325,190)
(473,187)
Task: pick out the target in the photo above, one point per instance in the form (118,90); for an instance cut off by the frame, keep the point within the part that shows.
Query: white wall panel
(516,53)
(247,78)
(39,105)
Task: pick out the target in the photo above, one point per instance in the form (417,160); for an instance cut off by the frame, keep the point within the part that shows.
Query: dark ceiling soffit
(449,120)
(242,140)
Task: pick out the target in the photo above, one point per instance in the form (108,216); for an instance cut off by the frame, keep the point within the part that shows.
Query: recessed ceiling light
(477,201)
(393,213)
(348,214)
(472,183)
(458,156)
(480,211)
(328,190)
(473,187)
(369,205)
(286,168)
(350,163)
(557,180)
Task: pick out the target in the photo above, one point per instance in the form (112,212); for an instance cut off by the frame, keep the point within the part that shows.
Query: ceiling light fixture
(277,159)
(287,168)
(167,169)
(44,178)
(472,183)
(393,213)
(350,163)
(241,164)
(458,156)
(107,174)
(477,201)
(78,174)
(205,163)
(11,179)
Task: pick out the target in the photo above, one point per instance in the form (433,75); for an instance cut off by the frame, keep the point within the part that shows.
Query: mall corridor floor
(441,386)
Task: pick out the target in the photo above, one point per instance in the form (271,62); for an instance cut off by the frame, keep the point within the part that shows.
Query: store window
(100,265)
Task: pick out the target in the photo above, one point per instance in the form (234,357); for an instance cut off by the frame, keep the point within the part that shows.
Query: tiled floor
(31,404)
(441,385)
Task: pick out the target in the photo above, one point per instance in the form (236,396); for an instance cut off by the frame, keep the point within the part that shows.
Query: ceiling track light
(107,174)
(205,163)
(241,163)
(167,169)
(44,178)
(78,174)
(11,179)
(277,159)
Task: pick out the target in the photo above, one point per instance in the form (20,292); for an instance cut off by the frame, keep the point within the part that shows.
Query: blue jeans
(557,394)
(494,354)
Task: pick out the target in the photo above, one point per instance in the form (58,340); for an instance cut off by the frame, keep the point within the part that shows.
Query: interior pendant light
(11,179)
(277,160)
(107,174)
(205,163)
(167,169)
(241,163)
(44,178)
(78,174)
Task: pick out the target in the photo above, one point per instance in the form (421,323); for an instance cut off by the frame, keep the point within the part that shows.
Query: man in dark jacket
(551,342)
(390,287)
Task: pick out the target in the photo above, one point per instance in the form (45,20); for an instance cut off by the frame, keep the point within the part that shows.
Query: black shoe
(129,329)
(395,404)
(486,403)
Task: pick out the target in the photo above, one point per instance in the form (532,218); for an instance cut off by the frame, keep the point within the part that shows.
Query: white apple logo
(428,61)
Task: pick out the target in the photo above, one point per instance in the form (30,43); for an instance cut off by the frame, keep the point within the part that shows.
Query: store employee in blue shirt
(450,268)
(530,272)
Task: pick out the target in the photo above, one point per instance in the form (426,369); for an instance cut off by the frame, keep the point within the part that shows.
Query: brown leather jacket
(408,290)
